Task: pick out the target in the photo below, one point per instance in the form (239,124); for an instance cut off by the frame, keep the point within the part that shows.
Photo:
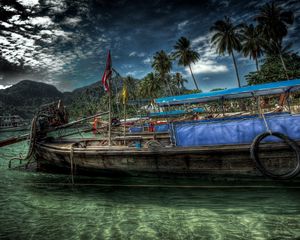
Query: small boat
(12,123)
(255,146)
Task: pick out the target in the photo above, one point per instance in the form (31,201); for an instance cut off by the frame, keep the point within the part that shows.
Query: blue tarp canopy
(167,114)
(174,113)
(243,92)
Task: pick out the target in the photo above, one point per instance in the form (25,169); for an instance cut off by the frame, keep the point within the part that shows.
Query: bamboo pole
(109,112)
(124,123)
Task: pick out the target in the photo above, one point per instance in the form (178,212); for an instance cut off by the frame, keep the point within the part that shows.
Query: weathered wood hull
(211,161)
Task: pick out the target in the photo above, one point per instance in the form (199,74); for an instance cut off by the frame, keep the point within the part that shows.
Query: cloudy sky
(64,42)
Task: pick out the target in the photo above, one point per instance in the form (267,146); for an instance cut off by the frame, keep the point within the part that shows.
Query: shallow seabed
(46,206)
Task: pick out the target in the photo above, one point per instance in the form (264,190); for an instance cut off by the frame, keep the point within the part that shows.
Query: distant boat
(12,123)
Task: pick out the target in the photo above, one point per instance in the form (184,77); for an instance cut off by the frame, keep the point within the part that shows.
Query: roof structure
(233,93)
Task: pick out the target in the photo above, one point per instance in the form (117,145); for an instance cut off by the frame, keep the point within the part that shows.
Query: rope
(266,124)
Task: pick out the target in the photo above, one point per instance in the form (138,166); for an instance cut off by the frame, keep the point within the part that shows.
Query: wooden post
(288,99)
(109,114)
(223,109)
(258,106)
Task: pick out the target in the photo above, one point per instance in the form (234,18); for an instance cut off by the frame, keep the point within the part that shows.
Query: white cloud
(132,54)
(56,6)
(73,22)
(208,66)
(135,54)
(181,25)
(6,25)
(4,86)
(136,73)
(29,3)
(9,9)
(41,21)
(147,60)
(208,56)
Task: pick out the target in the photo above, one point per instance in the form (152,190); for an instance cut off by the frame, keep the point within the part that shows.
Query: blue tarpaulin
(175,113)
(161,128)
(243,92)
(167,114)
(135,129)
(239,131)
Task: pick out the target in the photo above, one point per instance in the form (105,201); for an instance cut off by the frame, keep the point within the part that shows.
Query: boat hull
(232,161)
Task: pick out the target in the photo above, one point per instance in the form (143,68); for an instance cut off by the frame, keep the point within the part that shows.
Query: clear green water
(34,206)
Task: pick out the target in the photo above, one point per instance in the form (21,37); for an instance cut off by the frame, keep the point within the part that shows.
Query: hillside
(25,97)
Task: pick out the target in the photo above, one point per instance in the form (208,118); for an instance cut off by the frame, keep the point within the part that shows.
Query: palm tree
(131,85)
(226,38)
(150,86)
(252,43)
(179,81)
(186,55)
(162,65)
(274,22)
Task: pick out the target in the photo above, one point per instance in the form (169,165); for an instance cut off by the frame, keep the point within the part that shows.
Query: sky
(65,42)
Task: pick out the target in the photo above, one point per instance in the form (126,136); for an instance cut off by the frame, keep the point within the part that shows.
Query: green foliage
(272,70)
(162,66)
(273,22)
(252,42)
(226,36)
(186,55)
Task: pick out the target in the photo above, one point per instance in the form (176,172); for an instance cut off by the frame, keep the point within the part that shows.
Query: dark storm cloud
(64,42)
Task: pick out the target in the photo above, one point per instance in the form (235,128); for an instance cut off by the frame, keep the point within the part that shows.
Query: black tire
(254,151)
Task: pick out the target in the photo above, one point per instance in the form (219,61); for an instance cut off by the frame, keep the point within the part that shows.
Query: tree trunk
(193,77)
(166,80)
(236,69)
(283,65)
(256,62)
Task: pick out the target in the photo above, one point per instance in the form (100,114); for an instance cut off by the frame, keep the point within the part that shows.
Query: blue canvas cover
(233,93)
(135,129)
(161,128)
(238,131)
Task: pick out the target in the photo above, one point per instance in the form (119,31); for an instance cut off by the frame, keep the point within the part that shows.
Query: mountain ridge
(25,97)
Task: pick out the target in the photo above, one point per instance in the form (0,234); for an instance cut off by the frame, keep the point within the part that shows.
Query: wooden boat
(91,157)
(154,153)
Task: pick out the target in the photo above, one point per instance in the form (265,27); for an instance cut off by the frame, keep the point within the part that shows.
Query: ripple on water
(29,211)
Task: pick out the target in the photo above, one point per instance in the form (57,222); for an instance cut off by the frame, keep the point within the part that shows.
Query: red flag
(107,73)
